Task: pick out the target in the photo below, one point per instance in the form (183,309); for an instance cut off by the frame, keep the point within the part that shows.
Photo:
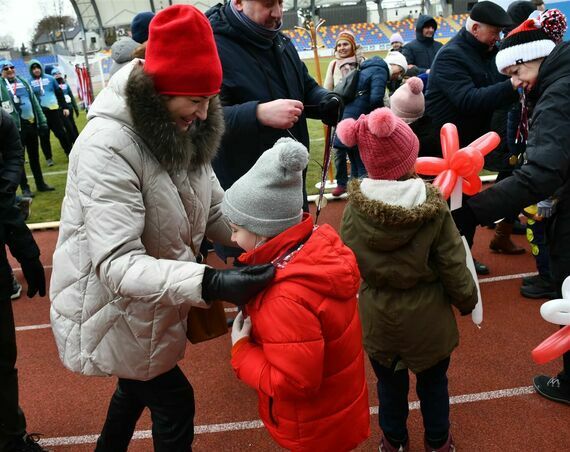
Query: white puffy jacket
(124,270)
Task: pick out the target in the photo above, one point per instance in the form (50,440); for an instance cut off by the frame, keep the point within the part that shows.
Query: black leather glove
(33,271)
(236,285)
(330,109)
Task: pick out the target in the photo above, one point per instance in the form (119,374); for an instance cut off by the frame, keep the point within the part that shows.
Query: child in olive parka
(413,266)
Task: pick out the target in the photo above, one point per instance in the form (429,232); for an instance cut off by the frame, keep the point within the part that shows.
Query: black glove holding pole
(236,285)
(330,109)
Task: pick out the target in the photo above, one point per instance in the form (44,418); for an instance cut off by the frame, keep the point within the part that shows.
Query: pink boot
(386,446)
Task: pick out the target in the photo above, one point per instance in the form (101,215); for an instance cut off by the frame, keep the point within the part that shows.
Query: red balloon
(461,162)
(477,160)
(431,166)
(486,143)
(552,347)
(446,182)
(449,140)
(472,185)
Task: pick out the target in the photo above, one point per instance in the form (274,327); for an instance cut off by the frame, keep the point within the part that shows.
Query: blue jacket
(46,89)
(465,87)
(372,80)
(422,51)
(256,70)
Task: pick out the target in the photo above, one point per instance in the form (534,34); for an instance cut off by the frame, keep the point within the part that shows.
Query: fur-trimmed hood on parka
(133,100)
(395,225)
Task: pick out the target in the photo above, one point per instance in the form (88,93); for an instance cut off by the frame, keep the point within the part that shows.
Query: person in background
(538,61)
(298,342)
(70,125)
(28,115)
(412,262)
(17,237)
(397,42)
(122,50)
(140,197)
(267,92)
(53,105)
(398,66)
(347,58)
(465,87)
(421,52)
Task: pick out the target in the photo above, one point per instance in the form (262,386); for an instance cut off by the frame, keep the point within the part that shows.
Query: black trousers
(57,126)
(170,399)
(29,138)
(71,127)
(12,420)
(431,387)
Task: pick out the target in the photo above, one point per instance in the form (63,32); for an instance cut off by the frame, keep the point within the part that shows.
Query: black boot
(541,288)
(480,268)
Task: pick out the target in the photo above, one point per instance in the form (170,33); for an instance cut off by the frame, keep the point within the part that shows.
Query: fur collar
(393,215)
(174,150)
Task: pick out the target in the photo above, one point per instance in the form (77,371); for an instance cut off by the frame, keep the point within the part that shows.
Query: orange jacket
(305,356)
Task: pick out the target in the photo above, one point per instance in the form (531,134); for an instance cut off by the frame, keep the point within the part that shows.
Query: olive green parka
(413,265)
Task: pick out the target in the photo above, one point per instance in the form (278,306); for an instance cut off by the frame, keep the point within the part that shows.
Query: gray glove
(545,208)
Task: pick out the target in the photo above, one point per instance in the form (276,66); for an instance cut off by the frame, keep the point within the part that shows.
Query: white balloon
(566,288)
(477,313)
(556,311)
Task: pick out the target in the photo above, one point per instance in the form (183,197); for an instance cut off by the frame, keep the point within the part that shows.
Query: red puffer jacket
(305,356)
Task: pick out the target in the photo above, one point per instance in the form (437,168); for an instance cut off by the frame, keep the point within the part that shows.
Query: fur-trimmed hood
(131,99)
(395,225)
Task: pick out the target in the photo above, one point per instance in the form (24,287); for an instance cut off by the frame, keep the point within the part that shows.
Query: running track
(494,406)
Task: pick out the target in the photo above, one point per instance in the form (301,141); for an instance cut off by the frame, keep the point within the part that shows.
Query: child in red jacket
(300,343)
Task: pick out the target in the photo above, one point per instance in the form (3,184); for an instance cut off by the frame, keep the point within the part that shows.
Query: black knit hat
(533,39)
(519,11)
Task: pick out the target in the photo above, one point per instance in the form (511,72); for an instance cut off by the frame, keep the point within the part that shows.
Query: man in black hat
(465,87)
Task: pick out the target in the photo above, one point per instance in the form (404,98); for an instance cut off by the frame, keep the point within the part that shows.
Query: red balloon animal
(466,162)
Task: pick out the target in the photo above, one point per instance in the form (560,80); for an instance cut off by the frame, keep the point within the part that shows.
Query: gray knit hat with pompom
(269,198)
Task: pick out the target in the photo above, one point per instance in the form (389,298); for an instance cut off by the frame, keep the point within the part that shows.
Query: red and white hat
(531,40)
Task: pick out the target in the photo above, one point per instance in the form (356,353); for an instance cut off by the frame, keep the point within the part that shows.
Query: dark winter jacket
(11,158)
(256,70)
(413,266)
(374,74)
(546,171)
(465,87)
(422,51)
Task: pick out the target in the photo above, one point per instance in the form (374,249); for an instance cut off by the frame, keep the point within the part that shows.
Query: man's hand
(330,109)
(280,113)
(236,285)
(241,328)
(65,112)
(33,271)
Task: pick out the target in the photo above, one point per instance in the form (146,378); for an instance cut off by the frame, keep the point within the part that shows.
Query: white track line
(255,424)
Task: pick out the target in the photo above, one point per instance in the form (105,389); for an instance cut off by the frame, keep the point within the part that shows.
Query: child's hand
(241,328)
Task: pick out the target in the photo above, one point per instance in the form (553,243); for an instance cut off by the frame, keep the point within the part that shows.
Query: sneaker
(551,388)
(27,443)
(49,162)
(27,193)
(480,268)
(542,288)
(449,446)
(16,289)
(339,190)
(386,446)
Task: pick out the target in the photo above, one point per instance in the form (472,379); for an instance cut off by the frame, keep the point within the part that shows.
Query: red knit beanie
(181,54)
(388,147)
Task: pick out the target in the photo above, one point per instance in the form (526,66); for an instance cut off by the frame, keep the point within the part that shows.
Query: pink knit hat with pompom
(408,101)
(388,147)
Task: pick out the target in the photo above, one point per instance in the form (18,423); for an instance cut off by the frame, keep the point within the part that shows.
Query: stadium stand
(369,34)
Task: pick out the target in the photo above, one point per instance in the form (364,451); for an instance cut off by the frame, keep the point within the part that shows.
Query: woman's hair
(140,51)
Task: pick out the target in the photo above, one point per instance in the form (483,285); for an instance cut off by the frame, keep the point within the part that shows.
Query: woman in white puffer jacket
(140,198)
